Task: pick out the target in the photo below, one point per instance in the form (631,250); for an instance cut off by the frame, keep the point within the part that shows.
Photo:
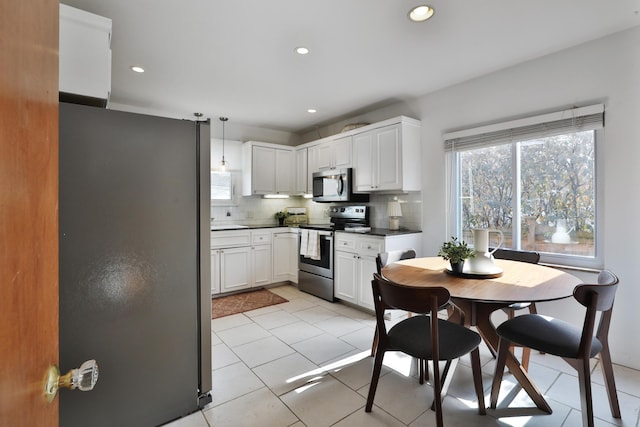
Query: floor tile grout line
(557,372)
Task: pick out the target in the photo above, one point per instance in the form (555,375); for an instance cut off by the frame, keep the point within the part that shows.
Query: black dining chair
(576,345)
(382,260)
(531,257)
(421,337)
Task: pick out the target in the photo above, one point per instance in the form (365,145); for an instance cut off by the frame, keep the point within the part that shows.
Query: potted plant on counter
(456,252)
(281,215)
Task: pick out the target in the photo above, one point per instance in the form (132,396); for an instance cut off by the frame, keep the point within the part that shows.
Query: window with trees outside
(534,179)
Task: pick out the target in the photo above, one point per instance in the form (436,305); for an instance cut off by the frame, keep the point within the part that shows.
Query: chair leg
(437,400)
(374,345)
(375,376)
(609,380)
(445,379)
(477,380)
(586,402)
(533,310)
(420,370)
(526,355)
(503,349)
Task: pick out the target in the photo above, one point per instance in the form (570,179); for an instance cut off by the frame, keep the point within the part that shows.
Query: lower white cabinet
(234,271)
(285,256)
(355,263)
(240,259)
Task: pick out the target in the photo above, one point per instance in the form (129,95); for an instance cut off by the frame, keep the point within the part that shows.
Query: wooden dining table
(478,297)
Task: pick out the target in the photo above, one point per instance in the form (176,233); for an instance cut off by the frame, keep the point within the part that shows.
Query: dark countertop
(374,231)
(386,232)
(252,227)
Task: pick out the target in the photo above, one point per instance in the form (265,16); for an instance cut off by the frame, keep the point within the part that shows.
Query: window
(537,183)
(222,187)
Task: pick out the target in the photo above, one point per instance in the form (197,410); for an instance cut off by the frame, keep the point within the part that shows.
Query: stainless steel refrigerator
(134,265)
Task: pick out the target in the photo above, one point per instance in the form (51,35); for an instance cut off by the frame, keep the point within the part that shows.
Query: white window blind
(561,122)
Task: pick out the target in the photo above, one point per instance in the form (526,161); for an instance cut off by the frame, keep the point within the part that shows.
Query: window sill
(571,267)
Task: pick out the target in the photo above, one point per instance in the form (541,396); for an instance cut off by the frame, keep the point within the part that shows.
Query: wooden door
(28,209)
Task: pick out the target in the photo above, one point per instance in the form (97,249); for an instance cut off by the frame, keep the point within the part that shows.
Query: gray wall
(602,71)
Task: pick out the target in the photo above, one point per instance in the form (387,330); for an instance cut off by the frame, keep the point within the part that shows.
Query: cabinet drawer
(370,246)
(345,242)
(230,238)
(261,237)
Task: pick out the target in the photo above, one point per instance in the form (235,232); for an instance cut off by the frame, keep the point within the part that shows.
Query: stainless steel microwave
(335,185)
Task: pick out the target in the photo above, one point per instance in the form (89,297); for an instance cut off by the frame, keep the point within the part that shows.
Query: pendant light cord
(223,120)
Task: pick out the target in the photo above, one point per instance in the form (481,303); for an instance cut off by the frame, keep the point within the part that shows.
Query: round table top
(520,281)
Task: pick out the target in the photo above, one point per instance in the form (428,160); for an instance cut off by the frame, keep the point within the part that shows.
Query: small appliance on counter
(296,217)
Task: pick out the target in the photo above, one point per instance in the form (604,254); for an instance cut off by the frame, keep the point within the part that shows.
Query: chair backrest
(515,255)
(388,294)
(604,292)
(385,258)
(596,297)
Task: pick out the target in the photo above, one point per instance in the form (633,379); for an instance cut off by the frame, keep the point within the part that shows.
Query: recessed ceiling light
(421,13)
(137,69)
(312,110)
(301,50)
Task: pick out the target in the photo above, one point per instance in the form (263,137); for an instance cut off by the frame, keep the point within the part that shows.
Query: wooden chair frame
(596,298)
(428,301)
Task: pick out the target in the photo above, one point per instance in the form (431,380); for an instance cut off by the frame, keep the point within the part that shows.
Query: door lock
(84,379)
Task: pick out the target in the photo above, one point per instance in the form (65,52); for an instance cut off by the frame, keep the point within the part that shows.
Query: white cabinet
(285,256)
(355,263)
(334,154)
(260,264)
(302,177)
(215,271)
(234,269)
(85,55)
(387,158)
(267,169)
(240,259)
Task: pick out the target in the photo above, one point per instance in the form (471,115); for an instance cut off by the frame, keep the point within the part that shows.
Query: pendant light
(223,164)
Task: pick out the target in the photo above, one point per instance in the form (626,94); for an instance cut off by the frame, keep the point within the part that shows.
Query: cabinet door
(346,276)
(367,266)
(363,162)
(215,272)
(388,158)
(324,156)
(261,262)
(263,165)
(312,164)
(235,269)
(283,171)
(342,152)
(285,265)
(302,174)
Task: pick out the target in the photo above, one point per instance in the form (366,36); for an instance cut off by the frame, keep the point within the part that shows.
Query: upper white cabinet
(387,158)
(302,181)
(85,56)
(267,169)
(333,154)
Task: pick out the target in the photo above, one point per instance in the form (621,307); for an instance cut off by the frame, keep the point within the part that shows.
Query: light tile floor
(306,363)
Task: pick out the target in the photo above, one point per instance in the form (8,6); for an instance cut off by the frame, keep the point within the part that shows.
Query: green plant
(281,214)
(456,251)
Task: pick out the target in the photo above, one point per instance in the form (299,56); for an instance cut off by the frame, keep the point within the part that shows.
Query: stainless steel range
(315,245)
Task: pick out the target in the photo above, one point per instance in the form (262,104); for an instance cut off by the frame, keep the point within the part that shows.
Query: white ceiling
(236,58)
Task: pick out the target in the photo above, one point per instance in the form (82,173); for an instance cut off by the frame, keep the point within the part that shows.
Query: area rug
(245,301)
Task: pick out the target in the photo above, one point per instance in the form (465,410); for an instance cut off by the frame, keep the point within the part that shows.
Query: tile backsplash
(255,210)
